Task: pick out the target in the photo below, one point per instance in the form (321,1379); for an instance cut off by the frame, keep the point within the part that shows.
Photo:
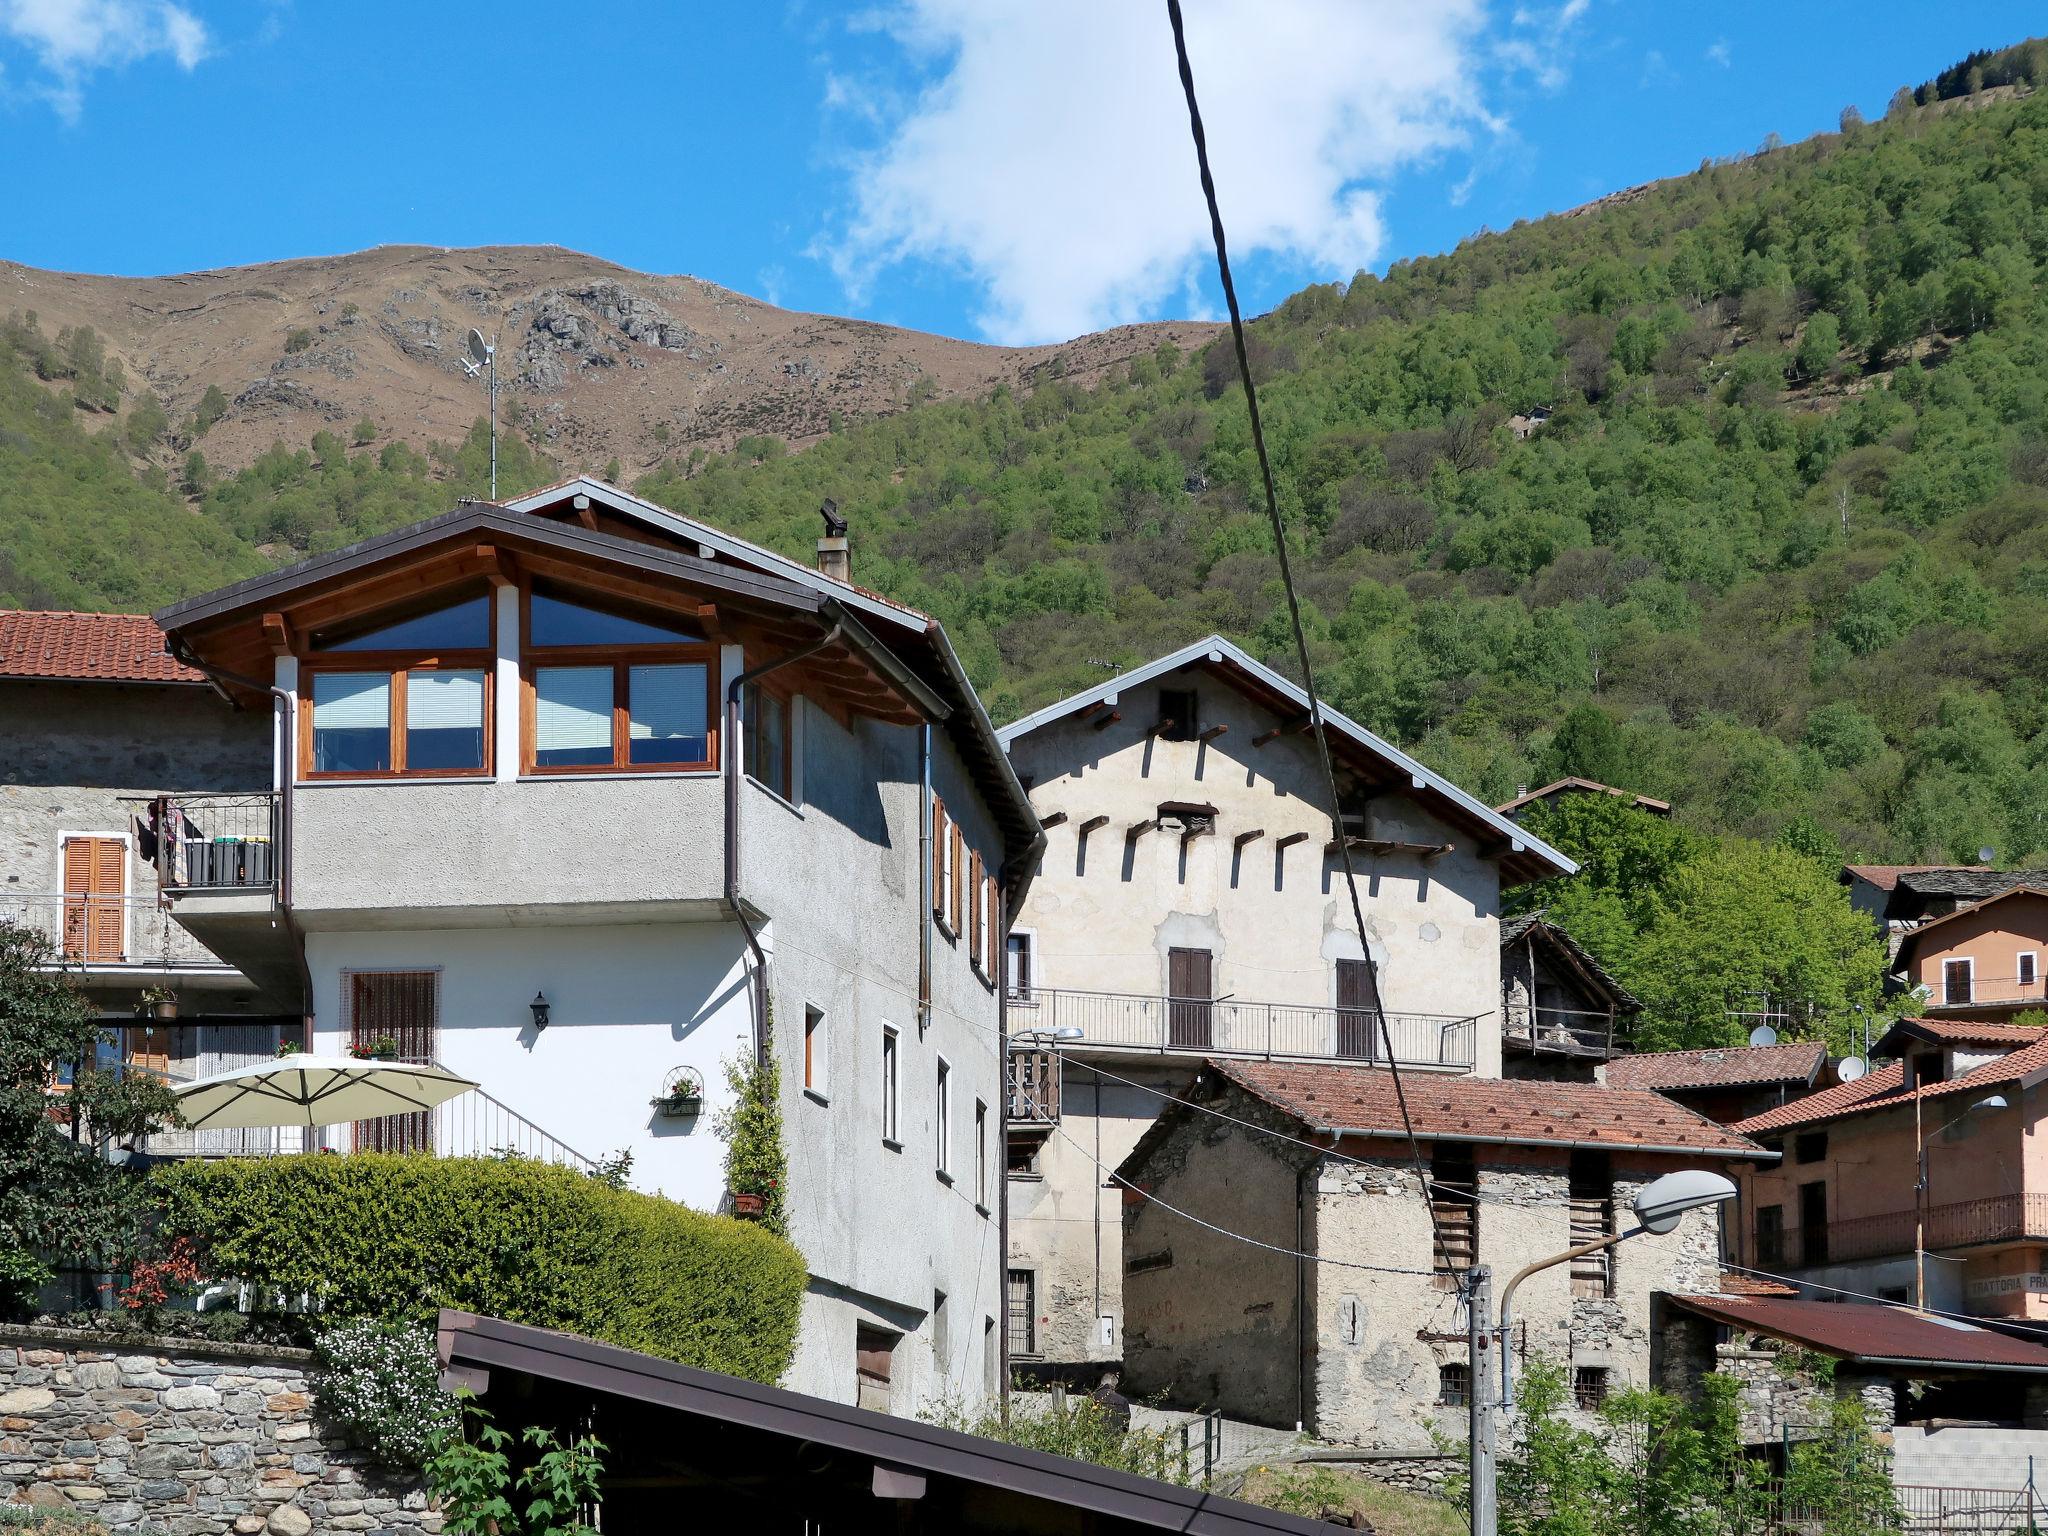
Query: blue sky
(1009,171)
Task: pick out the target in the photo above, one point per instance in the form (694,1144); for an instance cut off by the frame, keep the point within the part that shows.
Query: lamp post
(1658,1206)
(1993,1101)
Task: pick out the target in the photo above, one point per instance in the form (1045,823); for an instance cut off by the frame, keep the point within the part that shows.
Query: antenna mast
(483,358)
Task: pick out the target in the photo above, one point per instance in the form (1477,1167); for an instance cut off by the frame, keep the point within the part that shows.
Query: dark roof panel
(1867,1331)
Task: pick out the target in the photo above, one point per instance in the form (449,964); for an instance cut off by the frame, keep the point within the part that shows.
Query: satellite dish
(1986,855)
(1849,1068)
(1763,1034)
(478,347)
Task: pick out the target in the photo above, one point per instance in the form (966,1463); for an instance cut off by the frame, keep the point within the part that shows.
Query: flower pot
(748,1206)
(679,1106)
(165,1010)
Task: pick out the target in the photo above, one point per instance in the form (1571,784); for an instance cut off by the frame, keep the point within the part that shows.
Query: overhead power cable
(1308,677)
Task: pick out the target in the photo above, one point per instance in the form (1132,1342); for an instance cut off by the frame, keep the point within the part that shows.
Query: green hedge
(390,1236)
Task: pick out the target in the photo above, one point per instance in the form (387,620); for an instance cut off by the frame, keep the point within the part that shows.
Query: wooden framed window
(891,1081)
(410,696)
(977,907)
(814,1051)
(942,1121)
(1019,980)
(612,692)
(1022,1299)
(2025,973)
(1592,1217)
(95,899)
(942,860)
(1958,981)
(401,1007)
(769,740)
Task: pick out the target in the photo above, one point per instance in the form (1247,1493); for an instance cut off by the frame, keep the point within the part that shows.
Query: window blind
(351,701)
(666,704)
(572,713)
(444,701)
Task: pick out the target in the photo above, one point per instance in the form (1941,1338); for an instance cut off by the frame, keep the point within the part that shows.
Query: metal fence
(215,842)
(1956,1224)
(108,930)
(1226,1026)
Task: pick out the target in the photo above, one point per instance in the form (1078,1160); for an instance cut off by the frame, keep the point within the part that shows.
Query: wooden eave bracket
(1283,844)
(1161,726)
(1429,852)
(1106,719)
(1286,727)
(1057,818)
(1138,829)
(1093,824)
(497,565)
(1248,837)
(277,635)
(1212,733)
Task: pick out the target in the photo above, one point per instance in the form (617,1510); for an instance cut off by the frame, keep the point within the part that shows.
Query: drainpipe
(731,748)
(1003,1131)
(1301,1298)
(282,703)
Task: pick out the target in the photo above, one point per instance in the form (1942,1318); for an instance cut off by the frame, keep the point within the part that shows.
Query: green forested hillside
(1778,556)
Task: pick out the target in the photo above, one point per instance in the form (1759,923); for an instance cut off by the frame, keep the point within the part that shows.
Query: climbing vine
(750,1125)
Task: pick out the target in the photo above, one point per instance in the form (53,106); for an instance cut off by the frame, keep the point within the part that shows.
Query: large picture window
(612,692)
(403,695)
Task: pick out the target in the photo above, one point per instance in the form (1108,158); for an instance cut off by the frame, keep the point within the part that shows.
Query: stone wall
(178,1437)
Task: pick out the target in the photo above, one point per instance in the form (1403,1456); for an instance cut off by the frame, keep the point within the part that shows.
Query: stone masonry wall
(171,1437)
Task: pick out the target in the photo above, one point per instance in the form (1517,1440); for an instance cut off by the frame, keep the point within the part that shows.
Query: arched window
(399,693)
(611,691)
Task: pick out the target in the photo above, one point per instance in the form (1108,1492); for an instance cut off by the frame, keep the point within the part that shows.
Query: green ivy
(395,1236)
(751,1127)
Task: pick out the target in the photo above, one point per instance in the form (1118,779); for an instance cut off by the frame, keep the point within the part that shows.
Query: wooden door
(1813,1222)
(95,880)
(1357,1034)
(1188,994)
(398,1006)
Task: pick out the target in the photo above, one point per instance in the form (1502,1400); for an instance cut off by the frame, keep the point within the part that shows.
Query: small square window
(1177,714)
(1589,1386)
(1811,1147)
(1454,1384)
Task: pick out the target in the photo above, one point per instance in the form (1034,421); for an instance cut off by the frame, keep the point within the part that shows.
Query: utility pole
(1480,1397)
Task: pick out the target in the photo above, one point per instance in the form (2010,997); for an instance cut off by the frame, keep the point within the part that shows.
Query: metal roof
(1219,652)
(1872,1334)
(1065,1495)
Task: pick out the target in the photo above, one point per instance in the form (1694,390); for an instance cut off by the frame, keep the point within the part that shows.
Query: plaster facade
(1997,950)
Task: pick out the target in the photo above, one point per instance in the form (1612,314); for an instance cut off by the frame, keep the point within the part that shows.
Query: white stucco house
(584,799)
(1192,904)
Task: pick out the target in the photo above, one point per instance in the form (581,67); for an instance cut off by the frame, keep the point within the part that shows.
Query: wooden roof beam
(1285,727)
(1243,838)
(1283,844)
(1093,824)
(1212,733)
(1057,818)
(1106,719)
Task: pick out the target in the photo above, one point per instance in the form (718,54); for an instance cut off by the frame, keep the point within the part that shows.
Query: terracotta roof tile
(1361,1098)
(1727,1067)
(1885,1088)
(1972,1032)
(1862,1330)
(88,647)
(1733,1284)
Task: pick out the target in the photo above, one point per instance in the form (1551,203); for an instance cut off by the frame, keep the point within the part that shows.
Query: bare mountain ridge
(596,361)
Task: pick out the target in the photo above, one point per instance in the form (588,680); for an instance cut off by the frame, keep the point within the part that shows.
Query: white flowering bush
(379,1383)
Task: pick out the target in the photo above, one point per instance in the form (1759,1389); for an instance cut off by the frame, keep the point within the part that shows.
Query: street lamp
(1993,1101)
(1658,1206)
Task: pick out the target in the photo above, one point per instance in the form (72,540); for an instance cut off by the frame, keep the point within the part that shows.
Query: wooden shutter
(994,903)
(958,867)
(398,1006)
(977,904)
(1592,1217)
(1356,1033)
(1188,991)
(1454,1202)
(95,880)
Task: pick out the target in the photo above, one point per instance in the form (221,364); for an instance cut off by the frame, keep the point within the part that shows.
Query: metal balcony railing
(1955,1224)
(114,931)
(1229,1027)
(1979,991)
(1564,1031)
(217,842)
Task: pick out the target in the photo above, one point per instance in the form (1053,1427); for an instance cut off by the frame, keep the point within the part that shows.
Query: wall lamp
(540,1006)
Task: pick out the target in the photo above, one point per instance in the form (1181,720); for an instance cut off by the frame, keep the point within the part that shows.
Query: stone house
(1192,903)
(1364,1341)
(98,722)
(1728,1083)
(1562,1015)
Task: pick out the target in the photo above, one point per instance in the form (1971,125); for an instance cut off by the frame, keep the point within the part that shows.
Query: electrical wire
(1308,678)
(1885,1301)
(1239,1237)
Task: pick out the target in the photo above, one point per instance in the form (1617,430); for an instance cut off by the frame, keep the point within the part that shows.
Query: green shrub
(396,1236)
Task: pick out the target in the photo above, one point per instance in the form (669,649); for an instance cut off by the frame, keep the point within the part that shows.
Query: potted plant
(159,1003)
(288,1048)
(383,1048)
(681,1096)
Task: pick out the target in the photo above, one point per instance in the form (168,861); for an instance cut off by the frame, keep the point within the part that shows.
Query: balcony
(1958,1224)
(1125,1021)
(122,937)
(1034,1088)
(1560,1032)
(218,842)
(1962,992)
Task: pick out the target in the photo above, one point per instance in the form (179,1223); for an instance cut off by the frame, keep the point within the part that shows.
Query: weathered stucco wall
(182,1438)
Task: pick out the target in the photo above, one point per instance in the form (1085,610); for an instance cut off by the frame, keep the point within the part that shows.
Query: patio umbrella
(314,1091)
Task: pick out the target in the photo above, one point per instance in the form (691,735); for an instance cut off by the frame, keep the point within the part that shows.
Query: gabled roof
(1533,925)
(1898,1039)
(1885,1089)
(1871,1334)
(1886,876)
(1744,1066)
(1530,857)
(1572,785)
(1340,1099)
(88,648)
(1968,884)
(790,1434)
(2030,884)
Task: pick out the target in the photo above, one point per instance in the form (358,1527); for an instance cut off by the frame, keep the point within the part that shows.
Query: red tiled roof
(1331,1097)
(1968,1032)
(1733,1284)
(1862,1330)
(1885,1088)
(1885,876)
(1727,1067)
(88,647)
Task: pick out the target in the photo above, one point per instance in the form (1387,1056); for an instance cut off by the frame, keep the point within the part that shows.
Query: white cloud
(1717,53)
(1047,156)
(72,38)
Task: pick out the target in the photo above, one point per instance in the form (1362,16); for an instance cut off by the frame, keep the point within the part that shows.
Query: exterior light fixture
(539,1005)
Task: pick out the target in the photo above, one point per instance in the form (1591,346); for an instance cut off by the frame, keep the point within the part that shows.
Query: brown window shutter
(992,903)
(959,875)
(95,879)
(976,896)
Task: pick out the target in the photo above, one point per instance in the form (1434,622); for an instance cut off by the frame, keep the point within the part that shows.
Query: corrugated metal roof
(1868,1332)
(1738,1066)
(87,647)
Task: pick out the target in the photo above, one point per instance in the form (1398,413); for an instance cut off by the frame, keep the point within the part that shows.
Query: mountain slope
(598,362)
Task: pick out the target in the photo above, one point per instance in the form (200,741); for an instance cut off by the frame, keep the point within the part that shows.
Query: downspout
(282,702)
(1003,1106)
(731,749)
(1301,1299)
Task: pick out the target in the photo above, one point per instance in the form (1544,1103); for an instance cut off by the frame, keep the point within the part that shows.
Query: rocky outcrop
(178,1437)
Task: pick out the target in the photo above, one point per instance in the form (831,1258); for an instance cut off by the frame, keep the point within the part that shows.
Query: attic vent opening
(1177,714)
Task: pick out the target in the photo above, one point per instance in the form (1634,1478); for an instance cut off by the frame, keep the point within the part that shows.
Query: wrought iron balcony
(1231,1027)
(110,933)
(217,842)
(1966,990)
(1955,1224)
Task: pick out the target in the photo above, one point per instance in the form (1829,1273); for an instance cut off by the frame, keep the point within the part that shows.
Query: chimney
(833,558)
